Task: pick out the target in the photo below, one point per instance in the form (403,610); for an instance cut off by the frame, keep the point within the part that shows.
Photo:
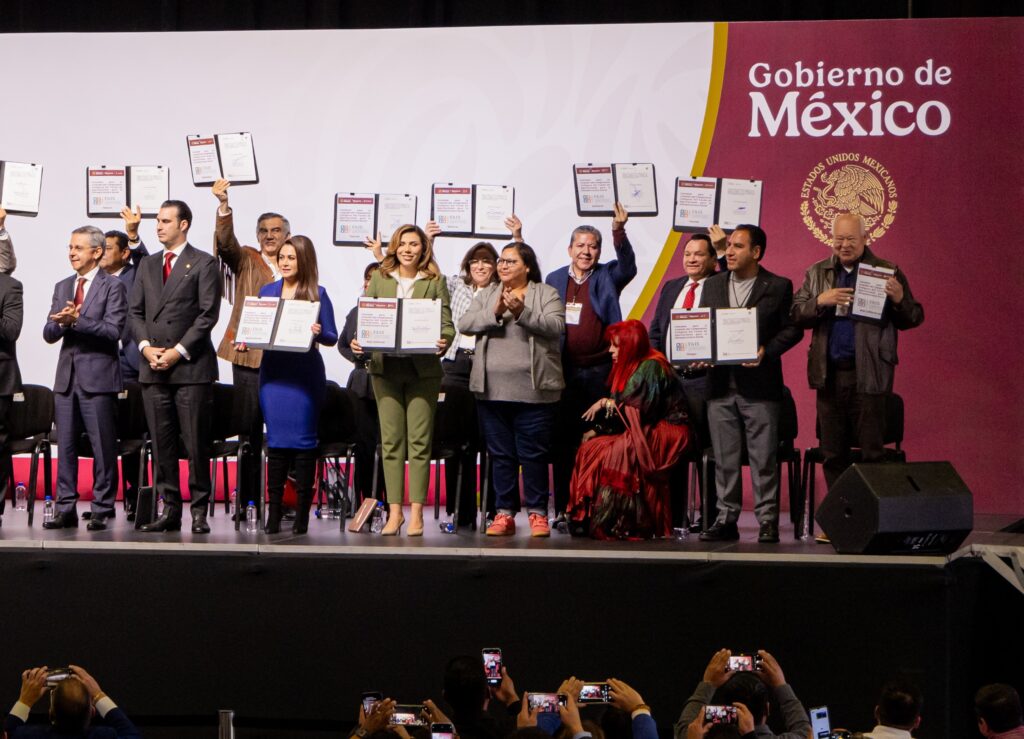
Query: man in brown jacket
(851,363)
(250,270)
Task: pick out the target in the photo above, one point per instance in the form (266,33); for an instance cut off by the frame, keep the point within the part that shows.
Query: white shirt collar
(888,732)
(89,276)
(176,250)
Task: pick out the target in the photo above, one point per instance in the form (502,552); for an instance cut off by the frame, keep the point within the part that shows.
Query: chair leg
(350,490)
(706,512)
(376,470)
(809,482)
(437,486)
(227,481)
(47,468)
(33,482)
(211,504)
(458,493)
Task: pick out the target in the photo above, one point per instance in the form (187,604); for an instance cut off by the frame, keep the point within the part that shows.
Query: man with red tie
(175,303)
(87,316)
(700,262)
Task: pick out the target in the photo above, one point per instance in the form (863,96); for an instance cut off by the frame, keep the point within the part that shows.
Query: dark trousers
(96,413)
(6,466)
(846,419)
(182,412)
(250,422)
(518,436)
(130,462)
(456,374)
(583,387)
(695,392)
(279,463)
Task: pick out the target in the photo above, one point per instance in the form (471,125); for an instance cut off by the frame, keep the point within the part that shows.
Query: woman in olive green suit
(406,387)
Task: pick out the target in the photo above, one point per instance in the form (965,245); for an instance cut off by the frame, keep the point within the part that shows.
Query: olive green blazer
(384,286)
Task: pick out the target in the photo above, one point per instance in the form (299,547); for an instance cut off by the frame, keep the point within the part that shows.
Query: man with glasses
(851,363)
(87,316)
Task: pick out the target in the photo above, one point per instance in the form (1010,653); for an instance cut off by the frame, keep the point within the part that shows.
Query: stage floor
(326,538)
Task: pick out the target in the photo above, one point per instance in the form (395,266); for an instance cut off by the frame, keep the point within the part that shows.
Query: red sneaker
(503,525)
(539,525)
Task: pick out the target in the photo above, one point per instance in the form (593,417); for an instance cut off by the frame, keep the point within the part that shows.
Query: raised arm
(623,269)
(225,244)
(8,261)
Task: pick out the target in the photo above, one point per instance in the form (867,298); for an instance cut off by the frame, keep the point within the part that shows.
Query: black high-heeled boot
(277,473)
(305,474)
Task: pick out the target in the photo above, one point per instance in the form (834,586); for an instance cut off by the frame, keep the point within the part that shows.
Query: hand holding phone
(547,702)
(719,715)
(592,693)
(408,715)
(744,662)
(492,665)
(442,731)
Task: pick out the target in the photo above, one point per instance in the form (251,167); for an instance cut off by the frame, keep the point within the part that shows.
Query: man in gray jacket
(851,363)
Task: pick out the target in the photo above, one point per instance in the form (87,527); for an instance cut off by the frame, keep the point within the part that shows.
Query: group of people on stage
(557,375)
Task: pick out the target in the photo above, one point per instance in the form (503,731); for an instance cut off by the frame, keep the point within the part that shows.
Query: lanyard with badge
(574,310)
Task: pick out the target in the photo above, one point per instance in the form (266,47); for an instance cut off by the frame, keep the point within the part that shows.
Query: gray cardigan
(543,317)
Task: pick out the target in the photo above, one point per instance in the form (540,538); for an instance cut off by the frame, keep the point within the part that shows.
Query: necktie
(688,300)
(80,292)
(167,264)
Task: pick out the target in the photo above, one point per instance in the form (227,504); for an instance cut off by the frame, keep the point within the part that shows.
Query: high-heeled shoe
(415,530)
(388,530)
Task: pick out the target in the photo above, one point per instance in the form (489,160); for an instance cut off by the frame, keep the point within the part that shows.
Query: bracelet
(99,696)
(641,707)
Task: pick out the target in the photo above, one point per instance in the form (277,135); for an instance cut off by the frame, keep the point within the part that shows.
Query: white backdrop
(366,110)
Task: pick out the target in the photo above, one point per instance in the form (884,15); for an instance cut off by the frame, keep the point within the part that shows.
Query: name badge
(572,313)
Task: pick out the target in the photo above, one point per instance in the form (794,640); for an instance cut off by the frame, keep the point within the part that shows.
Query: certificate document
(106,190)
(421,326)
(869,296)
(736,335)
(148,187)
(237,157)
(690,336)
(20,185)
(294,325)
(354,217)
(203,159)
(256,324)
(695,203)
(377,323)
(451,206)
(739,202)
(595,189)
(394,211)
(636,189)
(494,203)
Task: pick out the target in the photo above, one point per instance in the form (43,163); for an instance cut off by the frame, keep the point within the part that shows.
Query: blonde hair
(426,262)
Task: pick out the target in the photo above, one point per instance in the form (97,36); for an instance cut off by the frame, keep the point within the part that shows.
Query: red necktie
(167,264)
(80,292)
(688,300)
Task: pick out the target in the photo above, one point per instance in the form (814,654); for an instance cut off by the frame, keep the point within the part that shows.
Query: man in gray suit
(87,316)
(174,306)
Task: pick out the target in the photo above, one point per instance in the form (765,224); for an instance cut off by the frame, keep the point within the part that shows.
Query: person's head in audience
(699,258)
(465,687)
(616,723)
(595,730)
(70,707)
(998,709)
(746,688)
(899,705)
(723,731)
(479,267)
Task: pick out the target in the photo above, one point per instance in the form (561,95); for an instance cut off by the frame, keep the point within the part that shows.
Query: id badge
(572,313)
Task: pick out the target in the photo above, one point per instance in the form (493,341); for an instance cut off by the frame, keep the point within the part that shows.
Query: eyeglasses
(508,262)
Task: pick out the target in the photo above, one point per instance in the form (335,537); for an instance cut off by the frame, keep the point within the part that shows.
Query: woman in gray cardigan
(517,379)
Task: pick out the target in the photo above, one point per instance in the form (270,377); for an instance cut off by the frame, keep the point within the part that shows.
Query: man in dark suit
(87,315)
(745,401)
(123,252)
(174,306)
(11,314)
(74,704)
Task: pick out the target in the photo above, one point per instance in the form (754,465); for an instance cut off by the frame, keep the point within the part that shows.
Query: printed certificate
(20,186)
(377,323)
(394,211)
(636,189)
(203,159)
(294,325)
(595,189)
(237,157)
(106,190)
(421,326)
(148,187)
(355,216)
(690,336)
(736,335)
(695,201)
(494,203)
(256,324)
(869,296)
(739,202)
(451,206)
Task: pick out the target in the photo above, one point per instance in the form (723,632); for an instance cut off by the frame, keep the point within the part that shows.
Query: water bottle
(250,518)
(377,519)
(20,497)
(48,509)
(233,505)
(160,506)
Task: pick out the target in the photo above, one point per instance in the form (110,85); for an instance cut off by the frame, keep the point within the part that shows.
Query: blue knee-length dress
(293,384)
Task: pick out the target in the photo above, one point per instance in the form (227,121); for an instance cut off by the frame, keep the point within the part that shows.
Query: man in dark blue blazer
(590,291)
(75,703)
(123,252)
(87,316)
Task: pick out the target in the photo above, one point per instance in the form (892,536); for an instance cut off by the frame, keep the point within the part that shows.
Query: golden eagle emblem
(848,183)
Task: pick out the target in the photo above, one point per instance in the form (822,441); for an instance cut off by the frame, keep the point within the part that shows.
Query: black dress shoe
(199,525)
(89,515)
(62,521)
(97,523)
(164,523)
(721,532)
(768,533)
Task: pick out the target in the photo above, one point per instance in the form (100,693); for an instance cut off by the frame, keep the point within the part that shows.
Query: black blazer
(773,296)
(129,349)
(11,316)
(184,311)
(90,348)
(663,313)
(359,378)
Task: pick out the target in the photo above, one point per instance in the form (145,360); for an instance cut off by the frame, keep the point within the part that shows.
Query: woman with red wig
(621,476)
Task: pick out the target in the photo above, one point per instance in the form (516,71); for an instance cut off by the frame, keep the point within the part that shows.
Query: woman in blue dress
(293,385)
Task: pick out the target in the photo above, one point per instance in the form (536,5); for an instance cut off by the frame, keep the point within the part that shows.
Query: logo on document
(848,183)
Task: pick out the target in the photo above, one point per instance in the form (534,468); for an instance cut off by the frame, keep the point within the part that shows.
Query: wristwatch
(361,732)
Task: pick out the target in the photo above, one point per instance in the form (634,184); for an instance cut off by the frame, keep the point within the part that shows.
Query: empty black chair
(337,436)
(224,442)
(455,435)
(30,423)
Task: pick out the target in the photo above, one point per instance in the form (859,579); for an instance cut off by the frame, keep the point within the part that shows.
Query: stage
(287,631)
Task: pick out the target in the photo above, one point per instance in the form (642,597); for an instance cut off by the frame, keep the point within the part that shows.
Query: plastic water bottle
(160,506)
(48,509)
(250,518)
(233,505)
(20,497)
(377,519)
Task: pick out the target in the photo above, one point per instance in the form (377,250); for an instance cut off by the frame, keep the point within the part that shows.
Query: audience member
(998,710)
(898,711)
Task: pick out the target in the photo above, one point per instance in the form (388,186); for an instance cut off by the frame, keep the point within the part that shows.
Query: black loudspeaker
(915,508)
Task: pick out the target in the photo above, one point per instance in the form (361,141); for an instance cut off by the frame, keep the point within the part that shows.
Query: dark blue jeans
(518,435)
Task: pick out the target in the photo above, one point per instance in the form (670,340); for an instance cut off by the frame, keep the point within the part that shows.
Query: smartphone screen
(492,665)
(719,714)
(408,715)
(594,693)
(370,698)
(442,731)
(741,663)
(820,726)
(547,702)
